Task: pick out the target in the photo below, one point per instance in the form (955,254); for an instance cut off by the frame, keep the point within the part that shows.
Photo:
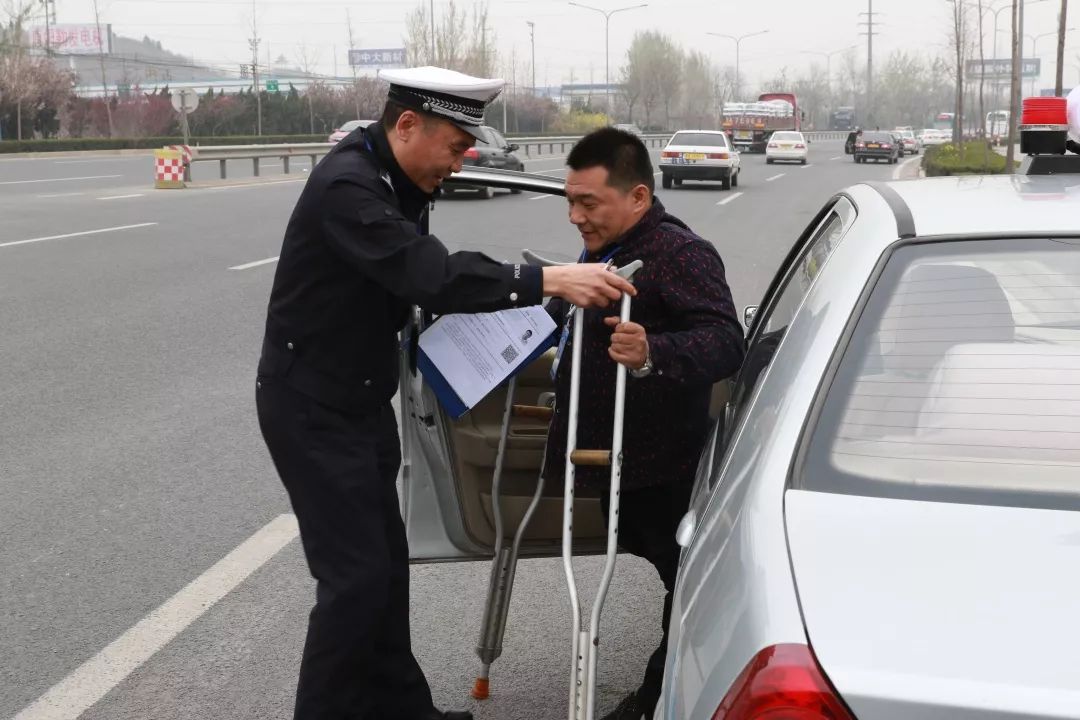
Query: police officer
(353,261)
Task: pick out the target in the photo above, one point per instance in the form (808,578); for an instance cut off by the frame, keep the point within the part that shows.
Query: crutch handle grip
(597,458)
(540,261)
(537,412)
(627,271)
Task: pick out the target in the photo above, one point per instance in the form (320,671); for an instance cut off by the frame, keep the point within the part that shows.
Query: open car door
(448,465)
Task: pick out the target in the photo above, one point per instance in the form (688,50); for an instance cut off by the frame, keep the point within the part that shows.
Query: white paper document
(474,353)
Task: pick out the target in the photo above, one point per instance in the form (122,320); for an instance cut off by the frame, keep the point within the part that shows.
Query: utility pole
(355,88)
(101,60)
(48,40)
(869,23)
(1014,88)
(1059,77)
(253,42)
(532,39)
(431,8)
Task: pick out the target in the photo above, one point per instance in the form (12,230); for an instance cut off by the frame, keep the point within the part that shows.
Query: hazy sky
(568,39)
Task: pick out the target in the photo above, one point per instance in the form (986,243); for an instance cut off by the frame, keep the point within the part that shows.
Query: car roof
(989,205)
(702,132)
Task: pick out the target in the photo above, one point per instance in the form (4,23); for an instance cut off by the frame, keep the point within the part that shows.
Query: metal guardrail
(530,146)
(255,153)
(565,142)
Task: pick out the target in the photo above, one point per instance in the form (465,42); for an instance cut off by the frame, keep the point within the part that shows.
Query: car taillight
(717,156)
(773,145)
(860,145)
(800,146)
(668,154)
(472,153)
(782,681)
(886,146)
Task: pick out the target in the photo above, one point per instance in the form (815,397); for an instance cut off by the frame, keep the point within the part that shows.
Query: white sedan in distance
(700,155)
(788,146)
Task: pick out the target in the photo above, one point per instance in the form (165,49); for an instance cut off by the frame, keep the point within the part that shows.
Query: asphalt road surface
(148,561)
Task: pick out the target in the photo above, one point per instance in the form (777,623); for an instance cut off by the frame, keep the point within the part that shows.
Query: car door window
(777,312)
(499,140)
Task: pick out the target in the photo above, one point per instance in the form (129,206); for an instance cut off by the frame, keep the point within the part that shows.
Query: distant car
(787,146)
(932,137)
(493,152)
(629,127)
(877,145)
(347,128)
(907,137)
(700,155)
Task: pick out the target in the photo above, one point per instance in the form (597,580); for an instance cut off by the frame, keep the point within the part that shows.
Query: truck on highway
(750,125)
(842,118)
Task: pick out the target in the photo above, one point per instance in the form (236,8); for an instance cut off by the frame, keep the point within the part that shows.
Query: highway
(131,461)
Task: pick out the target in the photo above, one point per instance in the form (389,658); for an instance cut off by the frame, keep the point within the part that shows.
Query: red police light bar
(1044,126)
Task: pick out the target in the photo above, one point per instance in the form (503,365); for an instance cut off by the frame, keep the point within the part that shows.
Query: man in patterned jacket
(682,338)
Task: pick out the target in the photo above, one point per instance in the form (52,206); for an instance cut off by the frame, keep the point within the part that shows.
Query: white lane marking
(543,196)
(729,198)
(257,263)
(808,165)
(838,157)
(775,177)
(545,172)
(99,160)
(251,184)
(92,680)
(900,168)
(87,177)
(120,197)
(56,195)
(78,234)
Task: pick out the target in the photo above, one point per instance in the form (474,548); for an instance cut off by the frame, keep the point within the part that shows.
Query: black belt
(282,362)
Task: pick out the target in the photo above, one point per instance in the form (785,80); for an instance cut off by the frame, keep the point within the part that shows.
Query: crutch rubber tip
(480,689)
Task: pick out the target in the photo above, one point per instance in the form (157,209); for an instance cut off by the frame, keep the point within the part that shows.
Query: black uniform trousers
(648,519)
(340,471)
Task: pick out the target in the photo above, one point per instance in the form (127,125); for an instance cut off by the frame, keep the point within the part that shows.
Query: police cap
(448,94)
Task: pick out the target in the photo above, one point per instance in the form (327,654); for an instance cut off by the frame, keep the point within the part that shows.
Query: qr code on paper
(509,354)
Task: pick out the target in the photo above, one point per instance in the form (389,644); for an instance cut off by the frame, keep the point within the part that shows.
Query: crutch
(504,562)
(586,643)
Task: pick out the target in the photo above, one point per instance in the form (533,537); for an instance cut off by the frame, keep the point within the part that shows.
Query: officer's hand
(585,284)
(629,345)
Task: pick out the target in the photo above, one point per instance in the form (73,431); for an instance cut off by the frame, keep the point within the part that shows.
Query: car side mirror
(748,315)
(513,147)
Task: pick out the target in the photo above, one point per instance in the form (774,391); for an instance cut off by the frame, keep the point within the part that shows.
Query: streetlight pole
(828,62)
(532,39)
(738,42)
(607,37)
(1035,53)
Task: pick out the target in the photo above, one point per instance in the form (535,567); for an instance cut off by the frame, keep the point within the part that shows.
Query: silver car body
(913,609)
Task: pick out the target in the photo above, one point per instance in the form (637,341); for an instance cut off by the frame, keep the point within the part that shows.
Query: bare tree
(450,43)
(308,60)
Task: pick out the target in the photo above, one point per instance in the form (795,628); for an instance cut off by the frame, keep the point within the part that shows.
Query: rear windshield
(787,136)
(961,381)
(699,139)
(877,137)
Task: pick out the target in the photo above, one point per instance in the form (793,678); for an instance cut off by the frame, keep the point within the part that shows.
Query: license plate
(786,146)
(694,156)
(744,134)
(873,146)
